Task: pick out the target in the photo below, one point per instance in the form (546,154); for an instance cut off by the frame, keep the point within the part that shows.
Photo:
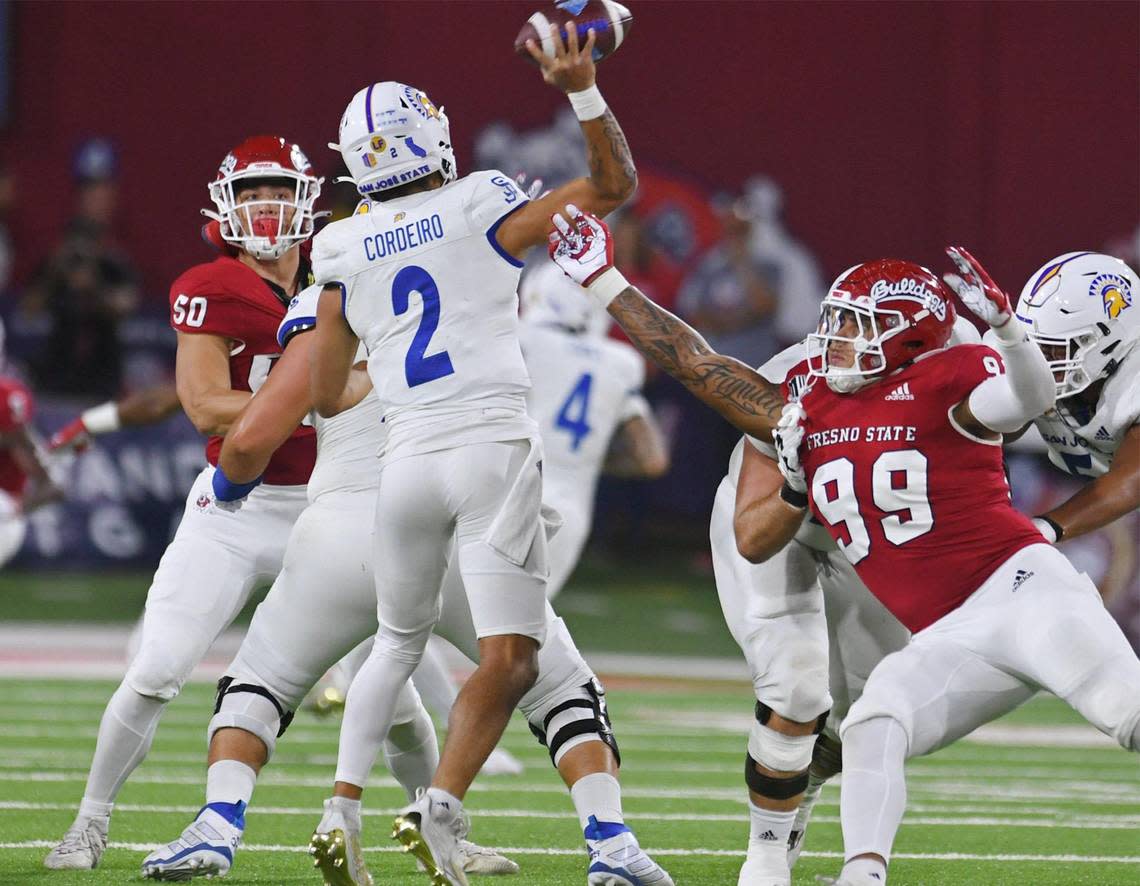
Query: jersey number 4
(420,368)
(898,488)
(572,415)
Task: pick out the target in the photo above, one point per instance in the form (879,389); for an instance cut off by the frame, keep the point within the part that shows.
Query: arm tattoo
(740,394)
(613,170)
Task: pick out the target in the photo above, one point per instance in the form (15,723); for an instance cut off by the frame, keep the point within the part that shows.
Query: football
(611,23)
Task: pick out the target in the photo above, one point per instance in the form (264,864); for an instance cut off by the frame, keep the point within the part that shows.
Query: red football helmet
(265,228)
(878,317)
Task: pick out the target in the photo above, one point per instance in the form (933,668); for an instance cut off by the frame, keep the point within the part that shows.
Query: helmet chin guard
(1080,310)
(265,228)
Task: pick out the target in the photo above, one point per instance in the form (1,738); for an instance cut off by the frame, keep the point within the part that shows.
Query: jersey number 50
(418,368)
(898,488)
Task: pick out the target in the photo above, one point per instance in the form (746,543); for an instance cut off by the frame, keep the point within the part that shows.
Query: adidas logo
(767,835)
(902,392)
(1021,577)
(1103,434)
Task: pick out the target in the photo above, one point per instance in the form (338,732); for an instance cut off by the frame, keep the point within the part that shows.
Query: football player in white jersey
(586,397)
(427,280)
(329,572)
(811,633)
(1081,310)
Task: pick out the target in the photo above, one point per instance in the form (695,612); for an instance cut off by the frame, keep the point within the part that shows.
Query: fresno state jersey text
(228,299)
(919,507)
(16,406)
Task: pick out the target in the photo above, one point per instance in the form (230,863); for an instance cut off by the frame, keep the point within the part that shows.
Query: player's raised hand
(788,437)
(532,191)
(582,247)
(73,436)
(571,68)
(981,294)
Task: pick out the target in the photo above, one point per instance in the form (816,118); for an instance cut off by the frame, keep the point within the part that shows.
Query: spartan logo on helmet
(1114,293)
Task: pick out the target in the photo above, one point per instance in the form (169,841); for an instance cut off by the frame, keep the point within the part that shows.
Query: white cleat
(431,830)
(502,762)
(337,852)
(850,880)
(482,860)
(204,849)
(81,847)
(616,859)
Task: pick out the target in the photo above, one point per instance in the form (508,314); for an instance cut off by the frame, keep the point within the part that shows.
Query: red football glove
(73,436)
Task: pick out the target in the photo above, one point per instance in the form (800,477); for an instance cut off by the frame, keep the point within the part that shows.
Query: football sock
(873,798)
(597,795)
(768,827)
(368,711)
(811,794)
(865,870)
(125,734)
(434,683)
(229,781)
(412,753)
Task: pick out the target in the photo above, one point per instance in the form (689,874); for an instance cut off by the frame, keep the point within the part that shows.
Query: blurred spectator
(727,298)
(788,266)
(84,287)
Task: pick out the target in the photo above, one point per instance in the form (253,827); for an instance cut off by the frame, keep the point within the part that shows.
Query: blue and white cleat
(617,860)
(205,849)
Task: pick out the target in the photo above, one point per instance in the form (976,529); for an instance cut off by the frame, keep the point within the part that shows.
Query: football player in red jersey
(226,314)
(895,444)
(25,483)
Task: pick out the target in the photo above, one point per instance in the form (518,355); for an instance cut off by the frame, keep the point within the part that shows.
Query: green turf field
(1039,800)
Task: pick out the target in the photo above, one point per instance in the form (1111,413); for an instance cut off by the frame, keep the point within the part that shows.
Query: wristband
(607,286)
(226,490)
(587,104)
(101,419)
(1050,528)
(793,497)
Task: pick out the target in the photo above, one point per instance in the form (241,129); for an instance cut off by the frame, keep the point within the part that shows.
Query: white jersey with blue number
(348,444)
(583,389)
(432,295)
(1082,439)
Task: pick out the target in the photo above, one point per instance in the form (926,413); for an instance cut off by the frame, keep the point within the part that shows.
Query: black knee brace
(771,787)
(226,686)
(596,721)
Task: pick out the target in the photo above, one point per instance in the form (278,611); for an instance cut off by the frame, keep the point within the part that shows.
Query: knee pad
(826,756)
(779,752)
(154,679)
(580,717)
(252,708)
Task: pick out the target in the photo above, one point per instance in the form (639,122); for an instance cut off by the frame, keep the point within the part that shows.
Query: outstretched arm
(612,179)
(1105,499)
(583,249)
(335,387)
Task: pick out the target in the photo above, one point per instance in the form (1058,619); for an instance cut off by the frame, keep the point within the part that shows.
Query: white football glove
(985,299)
(534,190)
(581,247)
(788,437)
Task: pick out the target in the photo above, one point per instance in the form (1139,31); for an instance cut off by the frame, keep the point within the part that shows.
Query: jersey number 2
(418,368)
(572,415)
(898,488)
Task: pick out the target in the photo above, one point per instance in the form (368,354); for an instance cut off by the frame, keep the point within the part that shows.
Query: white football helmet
(392,134)
(1080,309)
(551,298)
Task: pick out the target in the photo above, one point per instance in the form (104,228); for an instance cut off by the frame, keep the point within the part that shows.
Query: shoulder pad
(300,315)
(491,197)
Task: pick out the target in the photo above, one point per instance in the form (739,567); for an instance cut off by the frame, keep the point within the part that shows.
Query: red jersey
(16,408)
(920,508)
(227,298)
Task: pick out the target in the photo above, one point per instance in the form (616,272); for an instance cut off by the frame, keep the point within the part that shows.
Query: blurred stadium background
(803,136)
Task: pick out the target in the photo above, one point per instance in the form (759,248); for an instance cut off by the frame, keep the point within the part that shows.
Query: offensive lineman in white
(1081,311)
(811,633)
(427,281)
(586,398)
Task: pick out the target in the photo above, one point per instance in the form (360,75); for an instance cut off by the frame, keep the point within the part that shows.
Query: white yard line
(1078,822)
(727,853)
